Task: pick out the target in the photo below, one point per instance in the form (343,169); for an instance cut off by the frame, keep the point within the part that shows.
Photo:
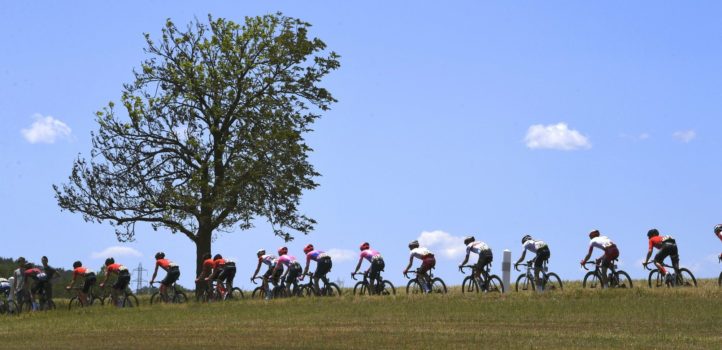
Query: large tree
(211,133)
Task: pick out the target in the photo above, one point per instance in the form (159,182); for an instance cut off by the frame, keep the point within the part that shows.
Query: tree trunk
(203,246)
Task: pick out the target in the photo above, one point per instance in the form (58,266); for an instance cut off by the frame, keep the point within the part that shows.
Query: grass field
(575,318)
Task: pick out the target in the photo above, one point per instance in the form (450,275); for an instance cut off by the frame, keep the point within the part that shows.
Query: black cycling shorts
(485,258)
(276,275)
(542,256)
(89,282)
(668,250)
(171,277)
(323,266)
(123,281)
(227,274)
(293,273)
(377,265)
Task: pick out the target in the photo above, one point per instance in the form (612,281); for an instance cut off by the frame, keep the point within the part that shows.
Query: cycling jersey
(117,268)
(477,247)
(315,255)
(287,260)
(601,242)
(219,263)
(269,260)
(532,245)
(659,241)
(165,264)
(370,254)
(420,253)
(81,271)
(36,274)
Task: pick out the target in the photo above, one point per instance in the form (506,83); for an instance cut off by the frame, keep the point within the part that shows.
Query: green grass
(575,318)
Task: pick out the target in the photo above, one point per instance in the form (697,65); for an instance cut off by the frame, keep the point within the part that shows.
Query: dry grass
(639,318)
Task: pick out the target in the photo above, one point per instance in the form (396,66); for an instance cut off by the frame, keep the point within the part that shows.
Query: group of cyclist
(31,280)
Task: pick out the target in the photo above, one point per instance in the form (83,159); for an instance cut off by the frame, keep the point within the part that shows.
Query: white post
(12,288)
(506,270)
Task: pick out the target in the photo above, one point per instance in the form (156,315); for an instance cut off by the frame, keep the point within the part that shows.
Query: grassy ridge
(576,318)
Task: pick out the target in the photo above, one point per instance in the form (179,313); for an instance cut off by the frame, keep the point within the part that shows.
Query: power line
(139,277)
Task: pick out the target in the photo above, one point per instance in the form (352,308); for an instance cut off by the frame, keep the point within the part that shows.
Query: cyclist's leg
(323,266)
(485,258)
(659,259)
(674,256)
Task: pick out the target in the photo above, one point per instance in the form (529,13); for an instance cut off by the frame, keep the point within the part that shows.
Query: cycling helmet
(469,239)
(413,244)
(159,255)
(109,261)
(594,233)
(77,264)
(718,228)
(653,232)
(282,251)
(525,238)
(308,248)
(218,256)
(364,246)
(261,252)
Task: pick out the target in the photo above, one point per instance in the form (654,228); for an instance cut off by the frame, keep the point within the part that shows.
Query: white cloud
(556,136)
(339,255)
(116,251)
(46,129)
(443,243)
(685,135)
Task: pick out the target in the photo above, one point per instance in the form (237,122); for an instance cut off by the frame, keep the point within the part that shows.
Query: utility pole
(139,277)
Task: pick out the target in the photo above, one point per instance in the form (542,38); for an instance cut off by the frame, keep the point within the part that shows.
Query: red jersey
(218,263)
(116,268)
(32,272)
(657,241)
(164,263)
(80,271)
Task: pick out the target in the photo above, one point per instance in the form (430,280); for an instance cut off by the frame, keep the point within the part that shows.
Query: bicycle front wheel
(592,280)
(685,278)
(10,307)
(180,297)
(469,285)
(552,282)
(524,284)
(494,285)
(156,298)
(360,288)
(413,287)
(387,288)
(655,279)
(622,280)
(130,300)
(438,286)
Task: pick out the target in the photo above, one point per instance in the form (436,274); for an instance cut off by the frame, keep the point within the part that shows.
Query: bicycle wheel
(552,282)
(156,298)
(413,287)
(655,279)
(685,278)
(11,307)
(74,303)
(438,286)
(719,280)
(26,306)
(361,288)
(592,280)
(50,305)
(524,284)
(258,293)
(494,285)
(332,290)
(130,300)
(280,292)
(469,285)
(180,297)
(235,294)
(387,288)
(621,280)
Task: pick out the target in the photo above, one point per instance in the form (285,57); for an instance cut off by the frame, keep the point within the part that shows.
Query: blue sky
(494,119)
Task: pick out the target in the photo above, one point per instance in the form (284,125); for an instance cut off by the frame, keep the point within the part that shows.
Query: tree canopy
(211,134)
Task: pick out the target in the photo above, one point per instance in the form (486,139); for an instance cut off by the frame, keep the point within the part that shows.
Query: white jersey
(477,247)
(533,245)
(420,252)
(269,260)
(601,242)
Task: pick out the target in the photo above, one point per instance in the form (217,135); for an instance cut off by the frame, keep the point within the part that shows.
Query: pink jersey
(370,254)
(287,260)
(315,255)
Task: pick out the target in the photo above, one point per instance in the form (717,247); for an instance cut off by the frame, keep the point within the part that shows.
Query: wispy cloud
(116,251)
(557,137)
(443,243)
(46,129)
(638,137)
(339,255)
(684,136)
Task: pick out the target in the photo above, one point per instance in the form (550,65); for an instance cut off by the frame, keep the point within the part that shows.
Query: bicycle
(672,279)
(173,295)
(329,289)
(43,304)
(492,283)
(525,281)
(278,290)
(435,284)
(91,299)
(615,278)
(7,305)
(219,292)
(125,299)
(381,286)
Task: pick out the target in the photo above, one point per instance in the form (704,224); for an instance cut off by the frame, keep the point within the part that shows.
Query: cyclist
(718,233)
(52,275)
(541,249)
(373,257)
(323,264)
(428,262)
(667,247)
(39,279)
(88,277)
(293,268)
(611,252)
(485,256)
(111,267)
(271,261)
(223,270)
(172,273)
(201,280)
